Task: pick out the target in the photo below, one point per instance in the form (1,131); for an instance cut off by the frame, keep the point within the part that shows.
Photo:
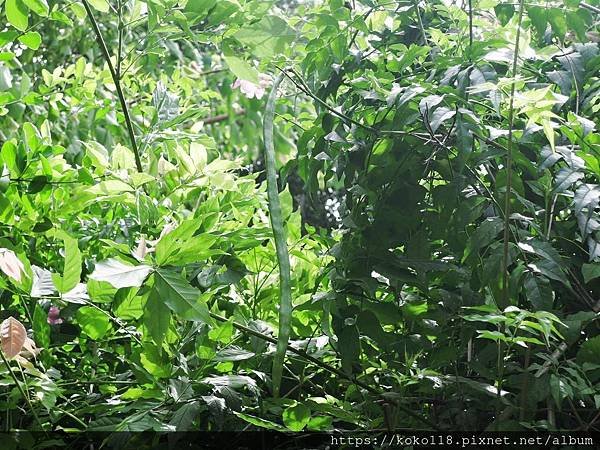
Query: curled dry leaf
(142,249)
(13,336)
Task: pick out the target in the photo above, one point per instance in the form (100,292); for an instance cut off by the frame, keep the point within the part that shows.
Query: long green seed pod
(283,257)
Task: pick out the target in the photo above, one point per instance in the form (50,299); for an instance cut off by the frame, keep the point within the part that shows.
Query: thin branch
(509,159)
(117,81)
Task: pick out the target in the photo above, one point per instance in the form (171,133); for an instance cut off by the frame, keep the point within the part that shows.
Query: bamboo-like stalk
(323,365)
(279,234)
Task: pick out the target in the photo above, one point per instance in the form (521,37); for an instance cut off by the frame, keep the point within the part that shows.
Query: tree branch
(117,81)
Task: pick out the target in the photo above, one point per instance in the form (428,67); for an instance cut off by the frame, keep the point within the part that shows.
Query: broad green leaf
(222,333)
(565,178)
(538,292)
(100,5)
(120,274)
(93,322)
(183,299)
(155,361)
(72,266)
(590,271)
(128,304)
(101,291)
(538,17)
(296,417)
(577,24)
(37,184)
(195,249)
(40,7)
(41,328)
(110,187)
(33,39)
(589,351)
(320,423)
(16,13)
(268,37)
(484,235)
(175,240)
(97,156)
(550,270)
(157,316)
(199,7)
(241,69)
(504,12)
(558,21)
(349,347)
(186,414)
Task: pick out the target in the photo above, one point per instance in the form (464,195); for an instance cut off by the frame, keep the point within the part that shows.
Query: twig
(117,82)
(222,117)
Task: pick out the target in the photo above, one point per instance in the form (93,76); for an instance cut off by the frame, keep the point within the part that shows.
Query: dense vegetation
(242,214)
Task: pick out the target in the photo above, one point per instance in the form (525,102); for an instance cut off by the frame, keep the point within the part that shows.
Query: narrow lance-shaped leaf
(279,233)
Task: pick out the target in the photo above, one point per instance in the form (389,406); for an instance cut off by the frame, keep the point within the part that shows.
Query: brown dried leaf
(12,335)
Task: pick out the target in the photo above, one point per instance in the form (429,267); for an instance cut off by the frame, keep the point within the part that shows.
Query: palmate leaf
(183,299)
(12,336)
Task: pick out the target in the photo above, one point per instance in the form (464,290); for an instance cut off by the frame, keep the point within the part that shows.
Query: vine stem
(509,159)
(470,29)
(279,234)
(117,82)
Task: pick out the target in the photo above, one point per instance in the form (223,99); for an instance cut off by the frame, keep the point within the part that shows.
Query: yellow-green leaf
(16,14)
(33,39)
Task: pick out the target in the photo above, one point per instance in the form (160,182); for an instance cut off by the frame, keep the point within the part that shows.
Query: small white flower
(252,90)
(10,264)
